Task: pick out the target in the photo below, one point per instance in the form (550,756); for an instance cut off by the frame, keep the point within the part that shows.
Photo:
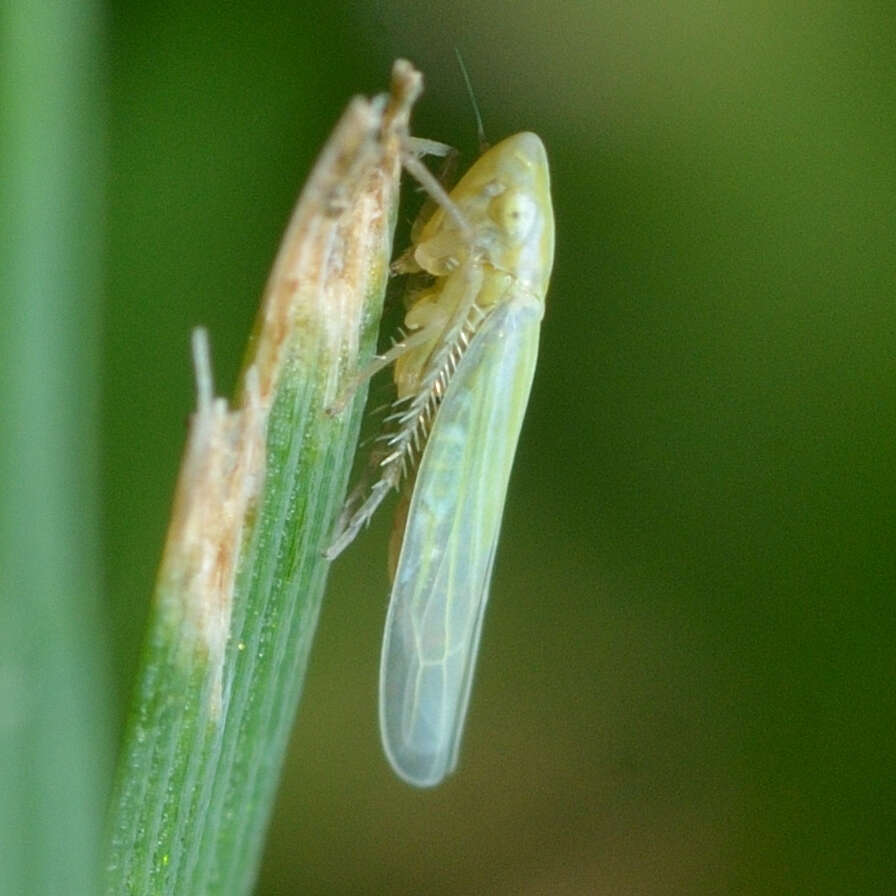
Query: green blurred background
(686,676)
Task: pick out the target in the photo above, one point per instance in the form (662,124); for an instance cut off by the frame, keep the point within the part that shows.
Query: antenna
(480,130)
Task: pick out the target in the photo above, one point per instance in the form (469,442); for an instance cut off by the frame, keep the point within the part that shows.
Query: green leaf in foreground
(55,723)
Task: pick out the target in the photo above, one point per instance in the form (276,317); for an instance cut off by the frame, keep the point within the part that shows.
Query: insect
(463,373)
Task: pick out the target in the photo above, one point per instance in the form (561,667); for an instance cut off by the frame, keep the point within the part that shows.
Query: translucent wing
(444,568)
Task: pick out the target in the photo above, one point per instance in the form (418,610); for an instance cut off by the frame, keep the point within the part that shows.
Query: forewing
(442,578)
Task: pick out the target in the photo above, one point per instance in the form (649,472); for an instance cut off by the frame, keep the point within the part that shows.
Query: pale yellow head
(505,198)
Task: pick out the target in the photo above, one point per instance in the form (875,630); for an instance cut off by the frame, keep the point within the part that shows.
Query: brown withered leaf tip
(334,253)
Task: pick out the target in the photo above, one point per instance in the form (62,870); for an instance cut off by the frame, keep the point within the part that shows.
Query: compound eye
(514,211)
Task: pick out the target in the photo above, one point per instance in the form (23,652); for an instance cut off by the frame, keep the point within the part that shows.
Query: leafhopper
(463,372)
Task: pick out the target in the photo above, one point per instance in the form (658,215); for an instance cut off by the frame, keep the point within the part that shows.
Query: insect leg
(431,184)
(411,341)
(420,146)
(361,517)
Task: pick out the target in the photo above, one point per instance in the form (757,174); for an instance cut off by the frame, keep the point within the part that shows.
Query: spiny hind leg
(411,341)
(351,522)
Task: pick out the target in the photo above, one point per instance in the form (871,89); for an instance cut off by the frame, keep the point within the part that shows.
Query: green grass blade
(55,735)
(242,576)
